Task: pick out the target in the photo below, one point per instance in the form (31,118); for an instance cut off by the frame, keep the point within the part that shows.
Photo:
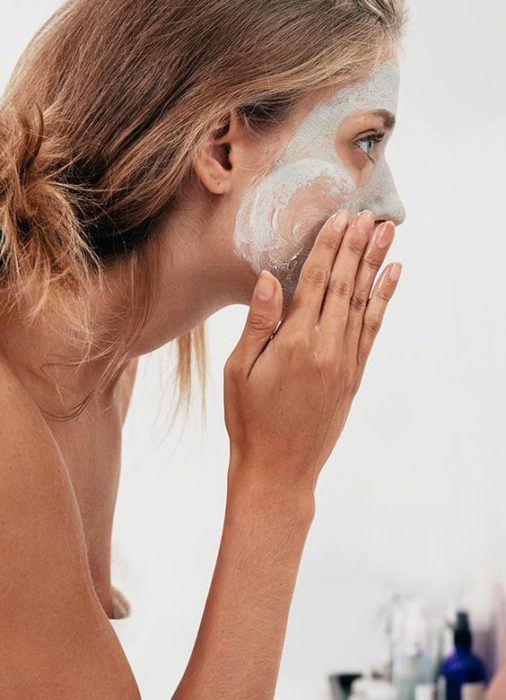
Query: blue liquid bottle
(462,666)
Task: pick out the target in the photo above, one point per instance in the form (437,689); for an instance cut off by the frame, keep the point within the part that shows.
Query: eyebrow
(389,120)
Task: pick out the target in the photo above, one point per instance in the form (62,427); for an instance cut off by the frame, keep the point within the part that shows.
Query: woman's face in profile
(335,158)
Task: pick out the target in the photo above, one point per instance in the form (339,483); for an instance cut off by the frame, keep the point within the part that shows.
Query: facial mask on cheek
(281,213)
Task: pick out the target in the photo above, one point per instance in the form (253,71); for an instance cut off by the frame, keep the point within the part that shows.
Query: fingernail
(395,272)
(340,220)
(384,235)
(265,287)
(363,222)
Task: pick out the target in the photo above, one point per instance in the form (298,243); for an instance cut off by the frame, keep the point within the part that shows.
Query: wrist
(251,497)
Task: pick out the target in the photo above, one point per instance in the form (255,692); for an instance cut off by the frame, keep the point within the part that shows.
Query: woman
(155,158)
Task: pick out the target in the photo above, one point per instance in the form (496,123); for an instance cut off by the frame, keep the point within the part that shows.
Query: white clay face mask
(309,177)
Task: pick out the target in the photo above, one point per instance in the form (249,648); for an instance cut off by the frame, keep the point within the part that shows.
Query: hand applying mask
(288,392)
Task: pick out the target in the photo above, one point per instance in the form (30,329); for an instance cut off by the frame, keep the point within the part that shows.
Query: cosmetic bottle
(412,662)
(463,672)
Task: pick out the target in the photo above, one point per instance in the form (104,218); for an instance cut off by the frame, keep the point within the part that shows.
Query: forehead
(379,91)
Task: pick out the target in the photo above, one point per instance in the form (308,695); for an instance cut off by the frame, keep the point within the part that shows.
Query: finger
(373,317)
(263,317)
(367,271)
(341,283)
(315,273)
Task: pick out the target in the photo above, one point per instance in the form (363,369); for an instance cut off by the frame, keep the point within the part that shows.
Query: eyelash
(377,137)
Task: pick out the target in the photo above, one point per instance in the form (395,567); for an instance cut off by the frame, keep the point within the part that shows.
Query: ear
(214,165)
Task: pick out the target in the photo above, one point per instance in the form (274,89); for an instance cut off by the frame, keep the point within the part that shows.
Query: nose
(396,213)
(385,202)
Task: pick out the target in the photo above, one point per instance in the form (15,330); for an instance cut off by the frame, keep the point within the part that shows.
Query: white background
(413,497)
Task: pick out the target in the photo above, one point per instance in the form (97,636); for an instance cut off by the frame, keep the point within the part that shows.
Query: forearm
(239,643)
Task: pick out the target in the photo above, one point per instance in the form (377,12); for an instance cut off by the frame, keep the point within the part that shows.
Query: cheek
(280,216)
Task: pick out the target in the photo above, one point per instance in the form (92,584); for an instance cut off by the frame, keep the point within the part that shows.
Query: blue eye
(369,142)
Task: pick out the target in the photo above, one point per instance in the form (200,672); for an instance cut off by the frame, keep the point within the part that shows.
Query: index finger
(314,276)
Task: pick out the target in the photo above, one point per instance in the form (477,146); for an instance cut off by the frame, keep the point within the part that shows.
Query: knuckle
(329,363)
(341,287)
(373,324)
(297,341)
(315,275)
(373,260)
(356,247)
(359,299)
(330,241)
(384,293)
(258,322)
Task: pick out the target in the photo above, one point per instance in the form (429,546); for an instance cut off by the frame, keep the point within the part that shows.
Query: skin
(201,272)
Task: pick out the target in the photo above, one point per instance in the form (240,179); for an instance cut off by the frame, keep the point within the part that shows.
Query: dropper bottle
(462,668)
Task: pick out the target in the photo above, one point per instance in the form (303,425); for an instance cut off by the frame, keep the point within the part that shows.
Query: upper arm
(55,638)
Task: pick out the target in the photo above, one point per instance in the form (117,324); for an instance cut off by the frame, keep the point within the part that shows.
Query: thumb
(263,317)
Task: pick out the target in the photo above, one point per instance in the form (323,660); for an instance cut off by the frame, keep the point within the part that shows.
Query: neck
(192,275)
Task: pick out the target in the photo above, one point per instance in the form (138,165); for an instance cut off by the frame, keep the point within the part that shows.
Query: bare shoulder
(36,494)
(47,590)
(126,386)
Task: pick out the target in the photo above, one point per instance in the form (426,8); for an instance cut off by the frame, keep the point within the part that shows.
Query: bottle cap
(462,631)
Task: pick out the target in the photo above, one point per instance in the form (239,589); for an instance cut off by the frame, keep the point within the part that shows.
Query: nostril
(397,218)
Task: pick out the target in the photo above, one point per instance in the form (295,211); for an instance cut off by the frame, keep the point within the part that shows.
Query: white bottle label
(473,691)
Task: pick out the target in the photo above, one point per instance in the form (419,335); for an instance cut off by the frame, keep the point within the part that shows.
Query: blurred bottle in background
(413,663)
(462,673)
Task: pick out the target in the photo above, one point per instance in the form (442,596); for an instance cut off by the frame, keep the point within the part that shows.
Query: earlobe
(211,173)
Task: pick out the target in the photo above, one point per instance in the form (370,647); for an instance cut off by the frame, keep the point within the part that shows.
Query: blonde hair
(106,109)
